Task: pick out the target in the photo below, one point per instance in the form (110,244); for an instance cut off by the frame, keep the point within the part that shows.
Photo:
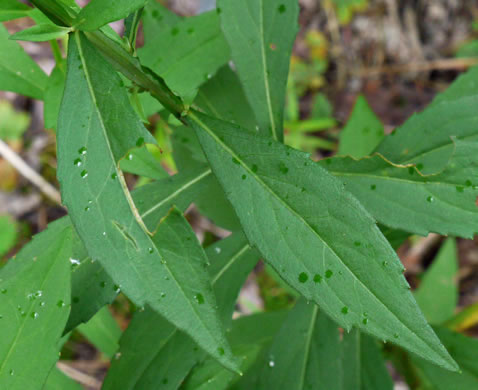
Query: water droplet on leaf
(303,277)
(199,298)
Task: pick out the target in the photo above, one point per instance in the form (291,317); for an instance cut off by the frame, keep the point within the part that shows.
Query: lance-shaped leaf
(156,198)
(363,365)
(320,358)
(96,128)
(102,331)
(155,353)
(52,96)
(312,360)
(316,235)
(193,51)
(235,108)
(18,72)
(97,13)
(261,34)
(92,287)
(34,307)
(426,138)
(41,33)
(362,132)
(444,203)
(465,351)
(437,294)
(249,336)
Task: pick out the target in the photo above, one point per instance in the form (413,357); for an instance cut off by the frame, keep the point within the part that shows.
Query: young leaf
(102,331)
(312,360)
(91,141)
(18,72)
(13,9)
(444,203)
(437,294)
(465,351)
(261,34)
(97,13)
(363,131)
(194,50)
(154,352)
(34,307)
(426,138)
(41,33)
(341,260)
(363,365)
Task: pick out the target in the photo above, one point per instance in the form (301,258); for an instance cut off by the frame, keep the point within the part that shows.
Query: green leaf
(312,360)
(444,203)
(97,13)
(34,307)
(59,381)
(363,366)
(153,351)
(437,294)
(141,162)
(212,201)
(41,33)
(320,358)
(13,9)
(426,138)
(235,108)
(18,72)
(155,199)
(91,286)
(186,53)
(363,131)
(248,337)
(8,234)
(91,141)
(465,351)
(341,261)
(52,97)
(102,331)
(261,34)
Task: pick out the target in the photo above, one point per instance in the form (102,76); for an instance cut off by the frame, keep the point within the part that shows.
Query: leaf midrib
(177,192)
(310,332)
(287,206)
(392,178)
(264,71)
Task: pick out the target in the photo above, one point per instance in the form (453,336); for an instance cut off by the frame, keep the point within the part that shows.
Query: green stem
(132,69)
(123,61)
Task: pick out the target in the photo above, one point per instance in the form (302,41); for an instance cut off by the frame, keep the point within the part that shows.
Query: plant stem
(120,58)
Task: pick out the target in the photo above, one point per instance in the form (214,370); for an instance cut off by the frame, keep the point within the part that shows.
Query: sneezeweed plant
(327,228)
